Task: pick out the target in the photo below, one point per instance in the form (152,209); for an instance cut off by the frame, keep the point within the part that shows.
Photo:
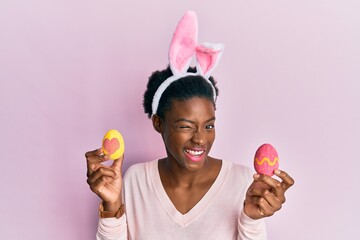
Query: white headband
(183,47)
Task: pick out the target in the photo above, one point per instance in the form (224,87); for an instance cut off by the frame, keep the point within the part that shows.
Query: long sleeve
(112,229)
(150,214)
(250,229)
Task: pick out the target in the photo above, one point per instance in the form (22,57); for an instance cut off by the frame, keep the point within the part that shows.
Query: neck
(180,176)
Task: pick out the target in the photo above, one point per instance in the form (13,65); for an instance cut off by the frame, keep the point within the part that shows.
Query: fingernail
(256,176)
(277,171)
(92,166)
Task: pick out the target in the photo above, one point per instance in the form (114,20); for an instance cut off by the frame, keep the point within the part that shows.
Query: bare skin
(189,125)
(187,192)
(266,195)
(187,173)
(104,181)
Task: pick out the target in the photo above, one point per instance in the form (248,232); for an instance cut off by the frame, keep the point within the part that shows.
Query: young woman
(187,194)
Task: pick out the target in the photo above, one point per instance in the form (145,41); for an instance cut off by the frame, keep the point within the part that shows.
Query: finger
(101,172)
(270,197)
(93,153)
(272,182)
(89,162)
(264,208)
(118,163)
(275,185)
(104,189)
(94,161)
(287,181)
(98,158)
(99,185)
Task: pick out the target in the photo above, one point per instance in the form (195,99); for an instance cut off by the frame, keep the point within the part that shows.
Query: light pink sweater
(150,214)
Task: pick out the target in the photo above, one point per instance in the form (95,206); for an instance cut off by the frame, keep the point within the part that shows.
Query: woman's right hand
(105,181)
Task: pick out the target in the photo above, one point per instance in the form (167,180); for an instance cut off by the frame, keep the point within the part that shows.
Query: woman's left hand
(266,195)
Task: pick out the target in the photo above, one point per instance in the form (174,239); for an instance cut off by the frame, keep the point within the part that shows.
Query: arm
(112,228)
(106,182)
(264,197)
(250,229)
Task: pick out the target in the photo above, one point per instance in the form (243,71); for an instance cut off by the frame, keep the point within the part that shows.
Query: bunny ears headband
(183,47)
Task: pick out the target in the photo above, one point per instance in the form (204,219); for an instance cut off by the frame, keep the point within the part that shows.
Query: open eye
(210,126)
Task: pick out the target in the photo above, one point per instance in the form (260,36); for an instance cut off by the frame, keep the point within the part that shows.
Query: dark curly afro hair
(182,89)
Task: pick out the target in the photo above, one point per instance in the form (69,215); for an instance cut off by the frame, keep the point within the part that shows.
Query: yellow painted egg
(113,144)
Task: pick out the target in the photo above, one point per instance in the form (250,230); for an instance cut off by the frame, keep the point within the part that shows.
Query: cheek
(181,138)
(211,137)
(175,140)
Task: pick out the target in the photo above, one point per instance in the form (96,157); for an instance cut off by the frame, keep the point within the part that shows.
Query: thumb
(118,163)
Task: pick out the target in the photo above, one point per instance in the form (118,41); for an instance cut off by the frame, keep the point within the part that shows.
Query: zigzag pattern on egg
(265,159)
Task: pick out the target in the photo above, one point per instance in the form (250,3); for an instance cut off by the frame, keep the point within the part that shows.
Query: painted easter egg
(266,160)
(113,144)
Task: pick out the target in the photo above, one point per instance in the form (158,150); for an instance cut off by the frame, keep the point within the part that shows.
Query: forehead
(196,108)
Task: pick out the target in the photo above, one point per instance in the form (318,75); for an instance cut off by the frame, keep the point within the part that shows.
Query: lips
(194,155)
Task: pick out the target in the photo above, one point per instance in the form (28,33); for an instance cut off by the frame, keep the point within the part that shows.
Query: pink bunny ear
(183,43)
(208,56)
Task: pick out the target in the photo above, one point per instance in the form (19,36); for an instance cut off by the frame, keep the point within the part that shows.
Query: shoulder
(139,170)
(237,180)
(238,168)
(238,172)
(134,168)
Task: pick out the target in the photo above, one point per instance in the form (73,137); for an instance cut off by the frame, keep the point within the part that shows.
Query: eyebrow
(189,121)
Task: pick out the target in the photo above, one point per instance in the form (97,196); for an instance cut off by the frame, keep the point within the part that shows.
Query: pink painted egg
(266,160)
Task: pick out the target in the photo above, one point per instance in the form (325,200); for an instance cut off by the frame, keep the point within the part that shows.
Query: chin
(195,165)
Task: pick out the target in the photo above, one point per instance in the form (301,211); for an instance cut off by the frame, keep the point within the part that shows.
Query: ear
(183,43)
(157,123)
(207,57)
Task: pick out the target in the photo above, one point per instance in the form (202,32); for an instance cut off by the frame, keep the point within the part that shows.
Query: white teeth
(195,153)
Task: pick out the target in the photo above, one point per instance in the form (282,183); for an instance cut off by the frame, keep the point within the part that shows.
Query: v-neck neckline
(185,219)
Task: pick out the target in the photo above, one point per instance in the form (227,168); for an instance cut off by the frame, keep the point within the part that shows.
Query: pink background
(70,70)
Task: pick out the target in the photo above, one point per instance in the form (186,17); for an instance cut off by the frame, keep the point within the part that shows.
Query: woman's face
(188,131)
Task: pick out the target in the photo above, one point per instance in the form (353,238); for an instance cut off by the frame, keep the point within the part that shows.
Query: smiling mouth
(194,152)
(194,155)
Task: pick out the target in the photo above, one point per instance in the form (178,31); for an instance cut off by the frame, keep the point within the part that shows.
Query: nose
(199,137)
